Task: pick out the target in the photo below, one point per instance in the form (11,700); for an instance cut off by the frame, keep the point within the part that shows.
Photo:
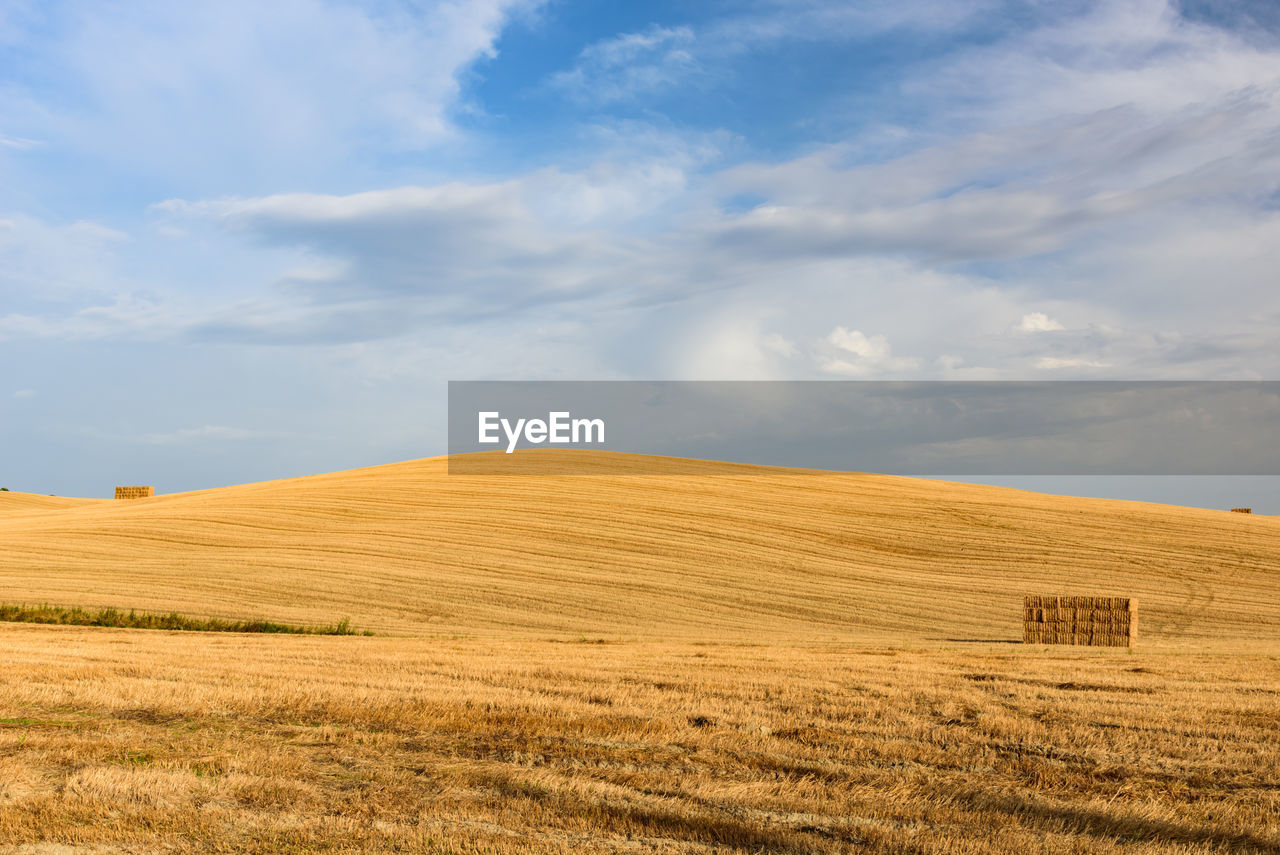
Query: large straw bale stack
(135,492)
(1094,621)
(1242,510)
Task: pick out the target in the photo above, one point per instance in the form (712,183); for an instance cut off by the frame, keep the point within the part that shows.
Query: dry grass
(725,660)
(119,740)
(733,552)
(18,504)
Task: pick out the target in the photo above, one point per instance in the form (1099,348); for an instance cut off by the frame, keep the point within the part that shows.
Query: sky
(243,240)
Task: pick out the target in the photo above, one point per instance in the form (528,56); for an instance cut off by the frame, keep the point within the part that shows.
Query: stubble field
(756,662)
(135,741)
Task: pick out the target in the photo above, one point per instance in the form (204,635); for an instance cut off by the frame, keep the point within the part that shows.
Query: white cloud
(245,94)
(1037,322)
(25,393)
(859,355)
(834,365)
(784,347)
(873,349)
(388,261)
(1010,192)
(1053,363)
(1123,52)
(639,258)
(1118,166)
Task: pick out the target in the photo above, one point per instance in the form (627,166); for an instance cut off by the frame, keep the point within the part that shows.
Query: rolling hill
(717,551)
(17,504)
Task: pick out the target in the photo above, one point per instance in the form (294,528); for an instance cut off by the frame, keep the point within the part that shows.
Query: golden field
(730,659)
(724,552)
(137,741)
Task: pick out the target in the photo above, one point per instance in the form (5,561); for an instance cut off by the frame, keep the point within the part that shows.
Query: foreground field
(719,552)
(135,741)
(727,659)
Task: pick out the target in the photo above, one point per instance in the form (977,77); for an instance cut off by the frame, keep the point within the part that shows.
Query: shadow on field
(694,821)
(1100,823)
(978,640)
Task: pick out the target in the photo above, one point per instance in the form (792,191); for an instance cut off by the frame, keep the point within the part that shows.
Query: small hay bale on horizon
(135,492)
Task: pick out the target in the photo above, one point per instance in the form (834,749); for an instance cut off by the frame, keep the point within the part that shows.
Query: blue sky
(242,240)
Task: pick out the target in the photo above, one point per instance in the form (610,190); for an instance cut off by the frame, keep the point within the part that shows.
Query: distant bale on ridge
(135,492)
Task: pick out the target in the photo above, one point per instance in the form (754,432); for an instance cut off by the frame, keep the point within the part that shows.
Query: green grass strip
(131,619)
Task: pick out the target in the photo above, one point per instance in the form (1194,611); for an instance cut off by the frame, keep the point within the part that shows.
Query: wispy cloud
(17,142)
(656,60)
(631,65)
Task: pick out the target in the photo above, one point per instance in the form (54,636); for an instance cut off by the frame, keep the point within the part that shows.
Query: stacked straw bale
(135,492)
(1242,510)
(1096,621)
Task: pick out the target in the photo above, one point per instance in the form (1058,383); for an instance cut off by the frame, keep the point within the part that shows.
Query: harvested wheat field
(137,741)
(723,552)
(730,659)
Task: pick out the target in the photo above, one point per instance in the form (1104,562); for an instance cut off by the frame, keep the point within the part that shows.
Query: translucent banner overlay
(934,428)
